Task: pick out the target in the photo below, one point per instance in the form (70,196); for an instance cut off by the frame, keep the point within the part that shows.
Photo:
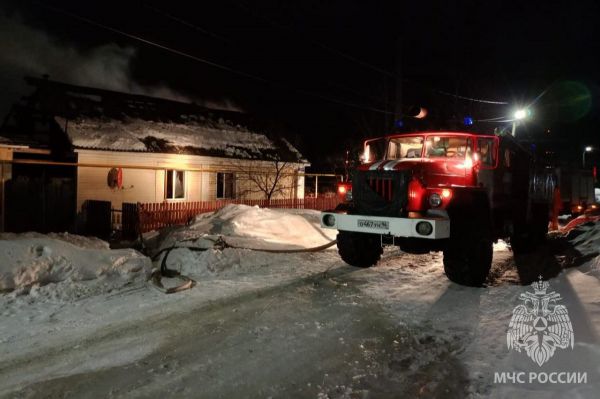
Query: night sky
(326,71)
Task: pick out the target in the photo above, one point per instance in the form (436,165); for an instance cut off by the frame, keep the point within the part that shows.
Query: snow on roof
(291,148)
(197,136)
(113,121)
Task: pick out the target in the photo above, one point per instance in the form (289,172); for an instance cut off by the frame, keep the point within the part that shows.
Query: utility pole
(387,100)
(398,97)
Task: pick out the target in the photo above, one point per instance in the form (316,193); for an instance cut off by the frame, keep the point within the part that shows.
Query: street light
(585,150)
(520,114)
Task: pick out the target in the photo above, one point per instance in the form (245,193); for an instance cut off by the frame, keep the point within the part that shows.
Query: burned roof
(195,136)
(112,121)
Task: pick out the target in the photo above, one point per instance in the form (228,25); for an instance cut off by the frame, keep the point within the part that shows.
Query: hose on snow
(219,243)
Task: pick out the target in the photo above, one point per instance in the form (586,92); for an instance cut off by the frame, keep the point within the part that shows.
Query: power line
(505,119)
(356,92)
(185,22)
(316,43)
(210,63)
(470,99)
(214,35)
(495,121)
(151,43)
(364,63)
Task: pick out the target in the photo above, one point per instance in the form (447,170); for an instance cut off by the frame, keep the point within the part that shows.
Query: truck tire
(469,250)
(541,218)
(521,241)
(528,236)
(359,249)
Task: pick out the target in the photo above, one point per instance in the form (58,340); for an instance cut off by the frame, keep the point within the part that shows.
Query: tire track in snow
(305,338)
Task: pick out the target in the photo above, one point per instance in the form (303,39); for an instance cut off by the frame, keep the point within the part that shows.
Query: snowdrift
(255,227)
(586,238)
(31,260)
(244,226)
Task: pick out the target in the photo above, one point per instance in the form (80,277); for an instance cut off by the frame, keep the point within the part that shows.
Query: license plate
(374,224)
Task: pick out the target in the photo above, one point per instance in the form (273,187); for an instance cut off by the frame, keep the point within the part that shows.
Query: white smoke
(29,51)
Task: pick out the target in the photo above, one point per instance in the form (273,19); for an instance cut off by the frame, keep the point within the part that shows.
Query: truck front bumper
(433,228)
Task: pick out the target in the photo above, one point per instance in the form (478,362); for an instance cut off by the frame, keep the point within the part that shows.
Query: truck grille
(382,186)
(380,193)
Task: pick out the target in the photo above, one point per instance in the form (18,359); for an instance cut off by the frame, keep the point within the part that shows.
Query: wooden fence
(153,216)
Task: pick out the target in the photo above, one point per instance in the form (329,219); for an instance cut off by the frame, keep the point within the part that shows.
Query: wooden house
(65,145)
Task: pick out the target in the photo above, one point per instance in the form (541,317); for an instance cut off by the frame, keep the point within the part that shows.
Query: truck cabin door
(487,149)
(450,160)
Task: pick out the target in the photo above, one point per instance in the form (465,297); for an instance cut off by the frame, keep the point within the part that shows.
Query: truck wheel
(359,249)
(529,236)
(468,259)
(469,250)
(521,241)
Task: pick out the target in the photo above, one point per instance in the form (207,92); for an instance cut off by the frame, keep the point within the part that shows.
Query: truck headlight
(329,220)
(435,200)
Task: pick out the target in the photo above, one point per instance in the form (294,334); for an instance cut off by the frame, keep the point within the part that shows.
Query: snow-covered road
(307,337)
(302,325)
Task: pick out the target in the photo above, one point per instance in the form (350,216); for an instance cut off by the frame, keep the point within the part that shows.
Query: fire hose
(219,243)
(164,271)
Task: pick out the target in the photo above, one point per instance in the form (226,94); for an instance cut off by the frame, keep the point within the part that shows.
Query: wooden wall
(148,185)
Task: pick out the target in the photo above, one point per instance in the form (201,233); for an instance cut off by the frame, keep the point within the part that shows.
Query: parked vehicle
(443,191)
(576,190)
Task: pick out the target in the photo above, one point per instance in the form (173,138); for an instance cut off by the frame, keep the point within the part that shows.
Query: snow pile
(251,226)
(79,241)
(244,227)
(586,240)
(32,260)
(133,134)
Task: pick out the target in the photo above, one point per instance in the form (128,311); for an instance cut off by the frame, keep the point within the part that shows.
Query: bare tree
(269,180)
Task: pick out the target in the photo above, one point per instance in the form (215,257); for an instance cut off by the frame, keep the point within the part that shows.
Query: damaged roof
(112,121)
(196,135)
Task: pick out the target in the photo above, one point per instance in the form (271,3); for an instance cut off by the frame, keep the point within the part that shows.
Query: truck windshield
(447,147)
(374,150)
(405,147)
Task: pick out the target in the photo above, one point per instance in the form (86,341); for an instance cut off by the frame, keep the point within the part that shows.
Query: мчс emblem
(539,325)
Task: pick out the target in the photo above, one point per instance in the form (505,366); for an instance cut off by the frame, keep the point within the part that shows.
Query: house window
(224,185)
(174,184)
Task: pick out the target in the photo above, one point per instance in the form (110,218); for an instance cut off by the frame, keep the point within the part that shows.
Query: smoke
(29,51)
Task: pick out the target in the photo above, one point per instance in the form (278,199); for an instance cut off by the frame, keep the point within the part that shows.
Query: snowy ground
(278,325)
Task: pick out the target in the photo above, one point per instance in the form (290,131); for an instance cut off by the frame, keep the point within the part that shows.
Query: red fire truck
(443,191)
